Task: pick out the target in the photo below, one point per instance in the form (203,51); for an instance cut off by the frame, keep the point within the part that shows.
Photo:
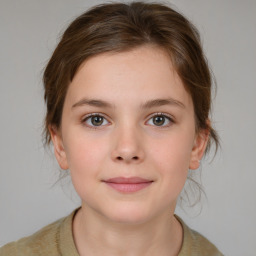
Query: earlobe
(198,149)
(59,150)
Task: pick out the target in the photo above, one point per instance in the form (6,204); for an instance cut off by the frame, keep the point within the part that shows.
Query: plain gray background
(28,199)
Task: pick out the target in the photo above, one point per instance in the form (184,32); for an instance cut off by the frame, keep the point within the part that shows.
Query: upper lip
(130,180)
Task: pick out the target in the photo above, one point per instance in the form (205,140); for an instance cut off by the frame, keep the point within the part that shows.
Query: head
(116,29)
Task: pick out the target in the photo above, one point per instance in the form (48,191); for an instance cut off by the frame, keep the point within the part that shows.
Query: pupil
(158,120)
(97,120)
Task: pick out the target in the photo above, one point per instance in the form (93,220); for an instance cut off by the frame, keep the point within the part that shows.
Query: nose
(128,146)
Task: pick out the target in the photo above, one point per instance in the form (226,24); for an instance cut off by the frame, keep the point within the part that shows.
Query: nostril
(133,158)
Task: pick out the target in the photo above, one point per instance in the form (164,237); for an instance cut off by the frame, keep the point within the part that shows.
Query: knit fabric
(56,239)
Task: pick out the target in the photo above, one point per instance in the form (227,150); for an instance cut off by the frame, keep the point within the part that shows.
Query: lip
(128,185)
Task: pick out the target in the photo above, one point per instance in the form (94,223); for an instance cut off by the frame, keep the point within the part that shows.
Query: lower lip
(128,187)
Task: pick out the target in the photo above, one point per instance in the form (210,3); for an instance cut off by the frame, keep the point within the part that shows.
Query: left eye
(95,120)
(160,120)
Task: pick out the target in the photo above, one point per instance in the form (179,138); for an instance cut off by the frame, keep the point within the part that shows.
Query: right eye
(95,120)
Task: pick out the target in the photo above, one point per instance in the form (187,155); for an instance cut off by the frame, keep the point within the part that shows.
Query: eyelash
(87,117)
(167,117)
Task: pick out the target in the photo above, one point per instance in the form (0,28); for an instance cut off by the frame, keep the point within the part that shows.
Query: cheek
(86,157)
(173,152)
(84,151)
(172,162)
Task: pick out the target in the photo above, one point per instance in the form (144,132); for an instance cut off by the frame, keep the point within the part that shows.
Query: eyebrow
(92,102)
(147,104)
(162,102)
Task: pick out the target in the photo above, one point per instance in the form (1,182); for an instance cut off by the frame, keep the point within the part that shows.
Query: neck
(96,235)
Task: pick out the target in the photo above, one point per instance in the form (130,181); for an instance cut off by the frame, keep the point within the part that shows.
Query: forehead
(142,73)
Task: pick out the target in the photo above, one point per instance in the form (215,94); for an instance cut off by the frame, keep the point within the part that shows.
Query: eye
(95,120)
(160,120)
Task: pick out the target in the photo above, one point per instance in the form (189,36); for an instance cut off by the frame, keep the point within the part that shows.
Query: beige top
(57,239)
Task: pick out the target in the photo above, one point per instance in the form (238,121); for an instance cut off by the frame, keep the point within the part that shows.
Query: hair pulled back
(119,27)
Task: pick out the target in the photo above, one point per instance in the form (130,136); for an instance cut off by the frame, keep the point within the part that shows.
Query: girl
(128,95)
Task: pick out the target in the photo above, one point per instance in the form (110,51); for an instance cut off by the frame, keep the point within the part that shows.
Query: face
(128,135)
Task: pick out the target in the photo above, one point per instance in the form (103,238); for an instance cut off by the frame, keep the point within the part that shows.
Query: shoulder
(36,243)
(46,241)
(195,244)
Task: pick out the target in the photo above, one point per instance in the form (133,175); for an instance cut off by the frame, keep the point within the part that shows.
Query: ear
(200,144)
(59,150)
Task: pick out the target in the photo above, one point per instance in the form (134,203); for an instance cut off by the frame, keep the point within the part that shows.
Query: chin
(129,214)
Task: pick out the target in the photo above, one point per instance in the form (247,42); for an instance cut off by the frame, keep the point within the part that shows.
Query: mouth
(128,185)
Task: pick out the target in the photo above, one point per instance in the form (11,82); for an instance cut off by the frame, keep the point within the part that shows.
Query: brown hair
(118,27)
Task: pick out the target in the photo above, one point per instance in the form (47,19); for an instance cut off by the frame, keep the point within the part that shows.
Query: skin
(128,143)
